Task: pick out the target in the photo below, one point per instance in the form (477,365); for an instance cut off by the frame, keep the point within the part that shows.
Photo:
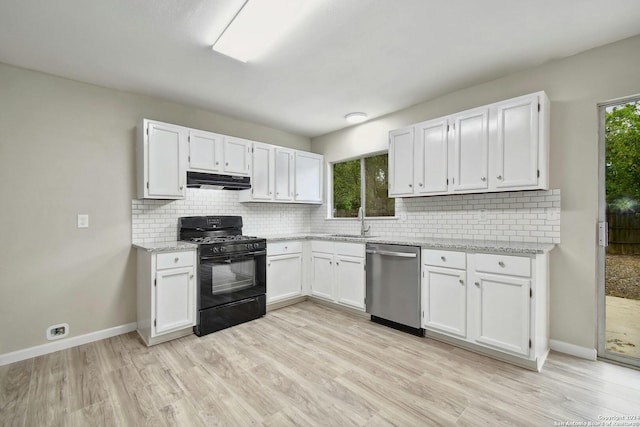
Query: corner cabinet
(497,147)
(493,303)
(281,175)
(166,294)
(161,156)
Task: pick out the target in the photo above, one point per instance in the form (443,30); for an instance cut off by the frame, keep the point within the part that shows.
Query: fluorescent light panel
(257,25)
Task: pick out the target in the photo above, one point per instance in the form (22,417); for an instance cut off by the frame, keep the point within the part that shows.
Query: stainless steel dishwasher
(393,286)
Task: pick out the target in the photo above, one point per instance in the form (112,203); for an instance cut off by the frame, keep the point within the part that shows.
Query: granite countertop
(466,245)
(165,246)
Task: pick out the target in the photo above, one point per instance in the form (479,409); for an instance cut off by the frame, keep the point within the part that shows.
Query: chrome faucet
(363,229)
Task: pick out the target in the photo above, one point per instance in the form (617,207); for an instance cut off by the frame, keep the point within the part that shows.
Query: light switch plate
(83,221)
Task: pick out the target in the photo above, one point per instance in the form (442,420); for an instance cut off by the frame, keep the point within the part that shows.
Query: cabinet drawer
(504,264)
(282,248)
(175,260)
(350,249)
(322,246)
(445,259)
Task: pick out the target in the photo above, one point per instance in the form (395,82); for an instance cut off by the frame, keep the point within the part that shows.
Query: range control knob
(214,249)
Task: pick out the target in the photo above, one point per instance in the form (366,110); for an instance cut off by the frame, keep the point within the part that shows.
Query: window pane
(377,187)
(346,189)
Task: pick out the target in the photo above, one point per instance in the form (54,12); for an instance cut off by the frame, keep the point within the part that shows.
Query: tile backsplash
(519,216)
(524,216)
(156,221)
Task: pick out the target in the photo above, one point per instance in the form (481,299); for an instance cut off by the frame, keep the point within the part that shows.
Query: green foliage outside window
(622,131)
(347,187)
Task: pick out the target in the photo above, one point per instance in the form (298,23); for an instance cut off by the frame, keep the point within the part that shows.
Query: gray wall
(68,148)
(575,85)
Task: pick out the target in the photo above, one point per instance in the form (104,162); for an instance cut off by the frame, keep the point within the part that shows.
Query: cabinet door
(236,155)
(350,280)
(205,151)
(503,312)
(517,142)
(308,177)
(166,161)
(444,296)
(322,275)
(284,276)
(471,143)
(262,173)
(401,162)
(431,156)
(284,174)
(174,300)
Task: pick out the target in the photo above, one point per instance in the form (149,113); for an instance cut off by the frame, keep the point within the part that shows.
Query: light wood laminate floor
(306,364)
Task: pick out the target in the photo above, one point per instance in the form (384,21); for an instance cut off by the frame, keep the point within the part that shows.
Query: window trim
(362,189)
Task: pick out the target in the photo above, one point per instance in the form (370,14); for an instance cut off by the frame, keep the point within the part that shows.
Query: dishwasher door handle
(396,254)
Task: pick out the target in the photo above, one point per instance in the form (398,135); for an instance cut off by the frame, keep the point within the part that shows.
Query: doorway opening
(619,232)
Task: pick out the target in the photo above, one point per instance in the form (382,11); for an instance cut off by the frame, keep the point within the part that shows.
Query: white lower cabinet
(338,272)
(284,271)
(444,295)
(488,301)
(502,312)
(166,287)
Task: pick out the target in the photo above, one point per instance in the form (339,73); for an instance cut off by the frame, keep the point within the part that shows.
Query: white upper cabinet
(431,154)
(498,147)
(401,160)
(205,151)
(262,175)
(162,160)
(470,150)
(284,174)
(517,143)
(237,156)
(308,177)
(281,175)
(165,152)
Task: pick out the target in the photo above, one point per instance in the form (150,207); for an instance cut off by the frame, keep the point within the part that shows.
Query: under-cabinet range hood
(217,182)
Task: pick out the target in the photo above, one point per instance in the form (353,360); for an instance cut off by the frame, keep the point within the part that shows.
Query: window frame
(362,189)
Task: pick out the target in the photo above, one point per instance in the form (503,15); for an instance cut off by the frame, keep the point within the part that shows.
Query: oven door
(231,277)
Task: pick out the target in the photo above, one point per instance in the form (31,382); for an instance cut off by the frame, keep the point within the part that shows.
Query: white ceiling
(376,56)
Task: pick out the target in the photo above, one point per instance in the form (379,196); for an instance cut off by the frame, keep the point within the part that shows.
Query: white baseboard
(39,350)
(574,350)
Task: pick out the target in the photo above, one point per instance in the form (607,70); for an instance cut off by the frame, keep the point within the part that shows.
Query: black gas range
(232,280)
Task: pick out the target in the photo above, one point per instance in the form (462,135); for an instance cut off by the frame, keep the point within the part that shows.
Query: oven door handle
(228,258)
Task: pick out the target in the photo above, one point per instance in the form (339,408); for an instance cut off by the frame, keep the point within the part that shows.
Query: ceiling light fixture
(255,26)
(355,117)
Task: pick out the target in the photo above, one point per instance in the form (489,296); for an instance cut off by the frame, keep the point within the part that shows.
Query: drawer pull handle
(191,276)
(477,284)
(461,282)
(501,264)
(176,259)
(443,258)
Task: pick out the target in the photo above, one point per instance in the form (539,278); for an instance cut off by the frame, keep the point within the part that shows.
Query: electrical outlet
(553,214)
(83,221)
(482,215)
(56,332)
